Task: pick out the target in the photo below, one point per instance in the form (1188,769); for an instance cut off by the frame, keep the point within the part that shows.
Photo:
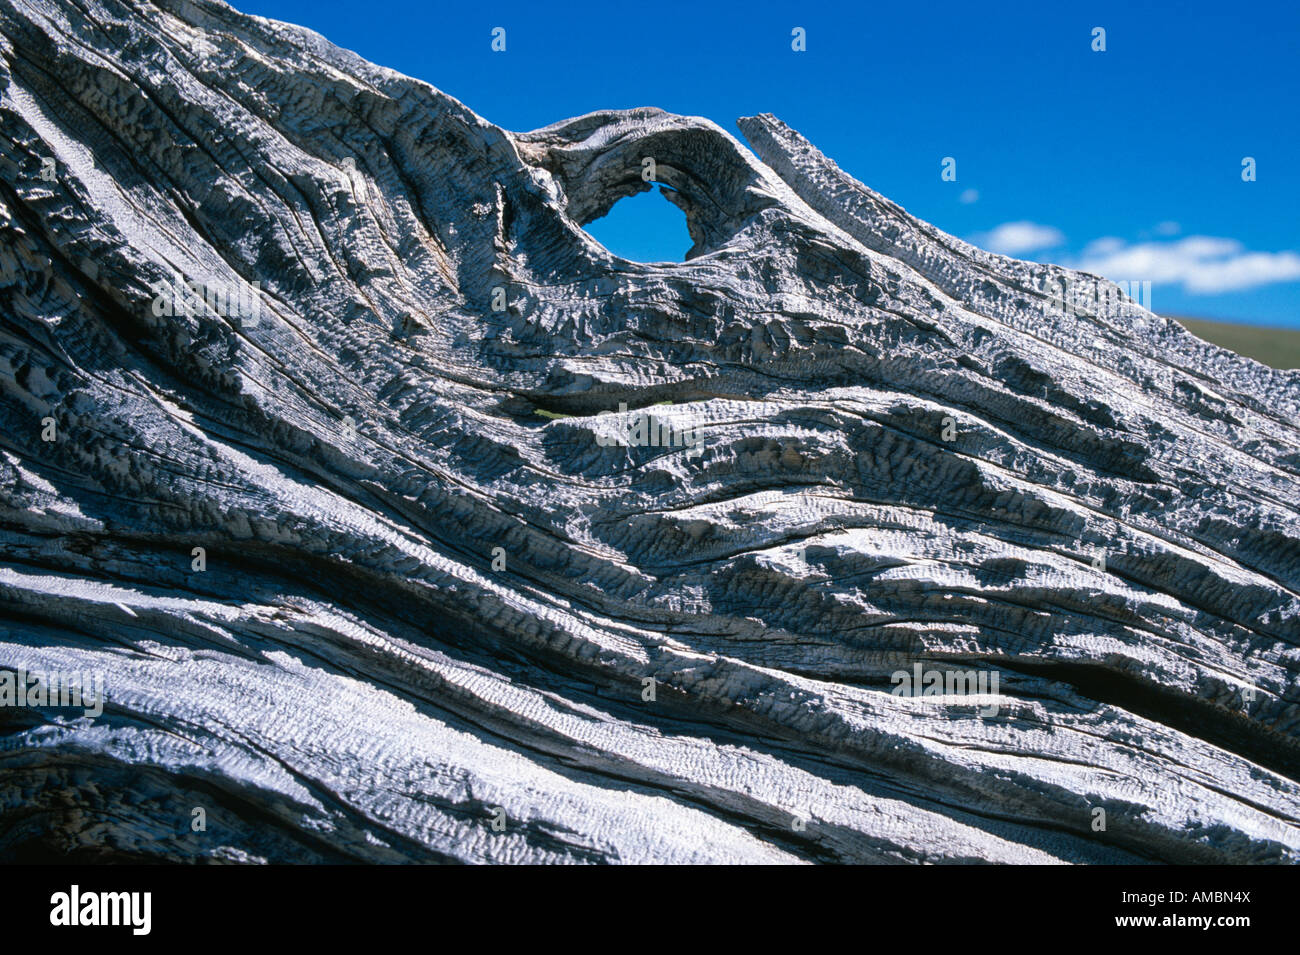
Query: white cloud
(1104,246)
(1200,264)
(969,196)
(1015,238)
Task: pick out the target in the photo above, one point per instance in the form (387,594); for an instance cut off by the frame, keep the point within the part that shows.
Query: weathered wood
(429,623)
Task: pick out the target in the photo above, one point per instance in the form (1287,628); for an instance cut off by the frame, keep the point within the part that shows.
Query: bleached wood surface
(908,453)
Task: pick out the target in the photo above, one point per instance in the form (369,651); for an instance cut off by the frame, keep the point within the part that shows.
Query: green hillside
(1279,347)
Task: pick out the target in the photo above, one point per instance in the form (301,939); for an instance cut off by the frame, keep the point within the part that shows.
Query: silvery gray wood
(909,452)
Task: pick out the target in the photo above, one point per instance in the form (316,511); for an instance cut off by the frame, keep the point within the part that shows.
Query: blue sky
(1127,162)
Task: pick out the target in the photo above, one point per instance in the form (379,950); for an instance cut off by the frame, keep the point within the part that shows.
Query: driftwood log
(385,515)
